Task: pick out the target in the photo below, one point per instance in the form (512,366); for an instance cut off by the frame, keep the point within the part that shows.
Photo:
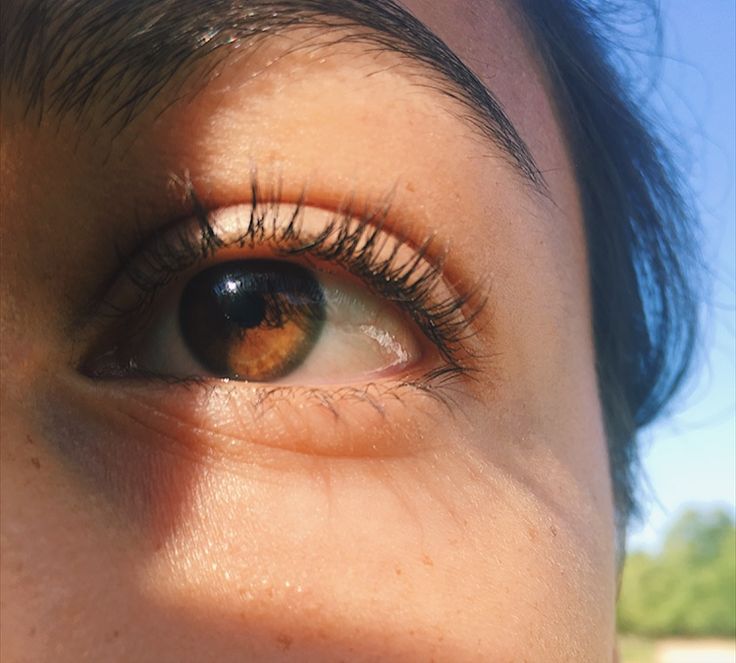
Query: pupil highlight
(254,320)
(241,307)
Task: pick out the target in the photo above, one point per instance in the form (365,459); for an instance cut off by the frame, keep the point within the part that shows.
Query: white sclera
(363,337)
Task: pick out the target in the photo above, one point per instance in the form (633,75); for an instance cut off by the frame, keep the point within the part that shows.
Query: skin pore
(153,520)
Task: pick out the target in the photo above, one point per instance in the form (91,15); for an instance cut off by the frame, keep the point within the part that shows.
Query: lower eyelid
(238,422)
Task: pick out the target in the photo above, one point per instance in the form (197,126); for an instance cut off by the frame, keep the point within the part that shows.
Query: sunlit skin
(159,522)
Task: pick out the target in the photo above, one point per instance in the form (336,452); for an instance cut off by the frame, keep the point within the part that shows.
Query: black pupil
(245,309)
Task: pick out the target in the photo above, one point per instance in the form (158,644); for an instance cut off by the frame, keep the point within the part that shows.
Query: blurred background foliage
(689,587)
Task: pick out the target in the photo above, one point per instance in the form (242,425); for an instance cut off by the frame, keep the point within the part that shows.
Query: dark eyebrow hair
(114,56)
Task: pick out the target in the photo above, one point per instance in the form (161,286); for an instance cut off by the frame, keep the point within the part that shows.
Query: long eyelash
(356,243)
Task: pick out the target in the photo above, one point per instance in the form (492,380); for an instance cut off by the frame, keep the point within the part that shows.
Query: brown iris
(253,320)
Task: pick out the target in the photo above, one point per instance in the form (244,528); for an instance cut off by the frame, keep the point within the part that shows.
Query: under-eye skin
(275,293)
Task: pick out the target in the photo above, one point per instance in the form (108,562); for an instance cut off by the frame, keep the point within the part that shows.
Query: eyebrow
(113,57)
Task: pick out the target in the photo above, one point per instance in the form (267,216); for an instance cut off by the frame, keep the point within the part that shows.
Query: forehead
(489,36)
(92,50)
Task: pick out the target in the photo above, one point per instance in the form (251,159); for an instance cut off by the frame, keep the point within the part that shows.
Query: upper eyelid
(187,203)
(183,203)
(267,224)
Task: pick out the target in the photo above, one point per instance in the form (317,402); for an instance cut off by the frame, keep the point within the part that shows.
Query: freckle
(36,463)
(285,642)
(410,187)
(398,571)
(427,560)
(532,533)
(32,632)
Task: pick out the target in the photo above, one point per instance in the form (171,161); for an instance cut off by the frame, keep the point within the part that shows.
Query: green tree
(690,587)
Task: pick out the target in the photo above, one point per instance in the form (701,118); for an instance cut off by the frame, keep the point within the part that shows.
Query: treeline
(689,589)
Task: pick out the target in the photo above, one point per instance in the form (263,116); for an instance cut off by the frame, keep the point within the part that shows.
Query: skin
(164,523)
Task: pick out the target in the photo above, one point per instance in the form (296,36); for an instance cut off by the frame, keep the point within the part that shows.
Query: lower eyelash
(356,243)
(438,388)
(434,386)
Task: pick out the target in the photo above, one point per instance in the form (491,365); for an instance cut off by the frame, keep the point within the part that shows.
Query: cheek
(494,547)
(467,555)
(488,545)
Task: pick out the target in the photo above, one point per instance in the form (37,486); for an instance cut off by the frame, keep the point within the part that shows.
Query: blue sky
(690,459)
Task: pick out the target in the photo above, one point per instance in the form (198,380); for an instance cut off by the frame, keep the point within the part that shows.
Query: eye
(269,293)
(268,321)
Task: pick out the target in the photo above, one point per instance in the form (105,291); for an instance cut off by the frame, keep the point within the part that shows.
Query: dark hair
(639,227)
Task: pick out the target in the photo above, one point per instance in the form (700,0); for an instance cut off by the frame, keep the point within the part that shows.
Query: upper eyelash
(350,241)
